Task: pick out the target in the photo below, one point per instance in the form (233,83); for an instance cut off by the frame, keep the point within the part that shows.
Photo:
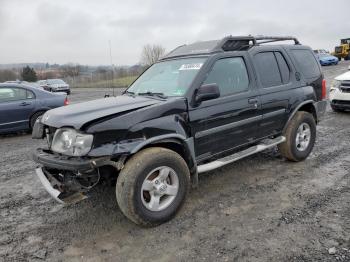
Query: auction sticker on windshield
(196,66)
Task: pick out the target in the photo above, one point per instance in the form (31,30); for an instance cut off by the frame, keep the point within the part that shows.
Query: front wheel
(152,186)
(300,137)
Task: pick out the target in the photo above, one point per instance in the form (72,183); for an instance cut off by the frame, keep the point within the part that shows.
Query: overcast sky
(78,31)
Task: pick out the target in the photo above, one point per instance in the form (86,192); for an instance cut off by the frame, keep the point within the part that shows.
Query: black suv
(201,107)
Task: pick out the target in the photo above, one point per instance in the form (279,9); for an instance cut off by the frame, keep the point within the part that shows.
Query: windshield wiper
(128,92)
(149,93)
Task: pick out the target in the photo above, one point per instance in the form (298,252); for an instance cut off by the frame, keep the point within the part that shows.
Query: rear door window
(307,63)
(8,94)
(268,70)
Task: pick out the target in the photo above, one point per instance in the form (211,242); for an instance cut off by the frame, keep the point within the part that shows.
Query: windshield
(324,55)
(170,78)
(55,81)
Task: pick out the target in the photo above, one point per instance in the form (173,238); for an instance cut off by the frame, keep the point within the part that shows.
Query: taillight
(66,101)
(324,90)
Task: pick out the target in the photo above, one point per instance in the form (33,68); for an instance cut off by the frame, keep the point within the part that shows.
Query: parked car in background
(54,85)
(43,84)
(339,95)
(327,59)
(22,104)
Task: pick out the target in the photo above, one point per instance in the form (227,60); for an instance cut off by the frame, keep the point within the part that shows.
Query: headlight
(68,141)
(335,85)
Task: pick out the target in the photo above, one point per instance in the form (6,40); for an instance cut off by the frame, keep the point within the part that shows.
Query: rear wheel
(34,118)
(152,186)
(300,137)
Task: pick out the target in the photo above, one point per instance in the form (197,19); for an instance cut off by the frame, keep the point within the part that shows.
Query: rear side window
(284,68)
(307,63)
(230,74)
(268,69)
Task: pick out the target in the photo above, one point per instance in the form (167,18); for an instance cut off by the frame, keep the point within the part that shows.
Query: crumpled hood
(77,115)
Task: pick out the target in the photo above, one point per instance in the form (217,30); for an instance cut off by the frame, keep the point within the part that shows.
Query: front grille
(345,83)
(345,86)
(345,90)
(340,102)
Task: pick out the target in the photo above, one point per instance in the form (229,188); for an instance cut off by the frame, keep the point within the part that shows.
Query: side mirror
(207,92)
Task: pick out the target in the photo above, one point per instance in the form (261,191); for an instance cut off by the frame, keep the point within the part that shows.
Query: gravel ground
(262,208)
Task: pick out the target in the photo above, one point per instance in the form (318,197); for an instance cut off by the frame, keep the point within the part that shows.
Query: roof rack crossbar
(270,39)
(250,41)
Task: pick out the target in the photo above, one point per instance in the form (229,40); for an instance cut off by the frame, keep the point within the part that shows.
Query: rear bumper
(321,107)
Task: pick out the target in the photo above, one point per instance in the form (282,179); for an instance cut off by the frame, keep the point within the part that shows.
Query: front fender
(145,133)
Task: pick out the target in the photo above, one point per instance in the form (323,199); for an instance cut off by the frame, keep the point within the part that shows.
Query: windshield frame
(190,86)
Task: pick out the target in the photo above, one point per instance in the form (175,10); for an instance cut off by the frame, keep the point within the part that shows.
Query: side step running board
(239,155)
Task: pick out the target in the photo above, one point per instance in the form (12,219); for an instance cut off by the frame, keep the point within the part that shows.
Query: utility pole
(111,60)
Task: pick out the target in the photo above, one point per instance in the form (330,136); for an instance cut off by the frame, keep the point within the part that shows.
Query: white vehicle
(339,95)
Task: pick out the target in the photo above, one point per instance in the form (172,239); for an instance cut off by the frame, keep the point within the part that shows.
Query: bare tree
(151,53)
(70,70)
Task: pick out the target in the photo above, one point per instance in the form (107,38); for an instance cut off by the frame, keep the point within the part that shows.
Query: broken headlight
(335,85)
(70,142)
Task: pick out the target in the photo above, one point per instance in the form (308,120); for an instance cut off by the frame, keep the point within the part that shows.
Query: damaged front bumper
(48,159)
(68,179)
(61,197)
(47,185)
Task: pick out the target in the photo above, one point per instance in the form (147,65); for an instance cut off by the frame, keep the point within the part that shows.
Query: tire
(141,173)
(34,117)
(298,151)
(68,92)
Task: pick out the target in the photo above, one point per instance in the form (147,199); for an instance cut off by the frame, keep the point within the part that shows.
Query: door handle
(24,104)
(254,102)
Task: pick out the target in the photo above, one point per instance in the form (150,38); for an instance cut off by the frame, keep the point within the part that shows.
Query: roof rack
(229,43)
(236,43)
